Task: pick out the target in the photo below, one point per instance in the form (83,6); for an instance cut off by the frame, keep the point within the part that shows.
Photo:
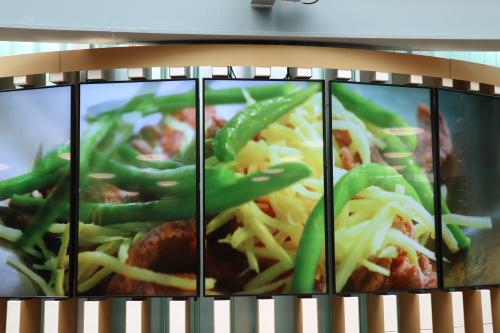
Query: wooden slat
(3,315)
(409,308)
(442,312)
(146,316)
(30,316)
(375,310)
(67,315)
(105,316)
(27,64)
(247,55)
(338,314)
(473,315)
(467,71)
(495,308)
(253,55)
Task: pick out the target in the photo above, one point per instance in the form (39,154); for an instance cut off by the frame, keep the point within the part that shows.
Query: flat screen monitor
(469,131)
(35,186)
(138,189)
(383,193)
(264,211)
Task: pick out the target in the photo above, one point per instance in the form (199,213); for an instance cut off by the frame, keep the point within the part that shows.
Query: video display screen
(383,194)
(35,154)
(138,189)
(264,209)
(469,131)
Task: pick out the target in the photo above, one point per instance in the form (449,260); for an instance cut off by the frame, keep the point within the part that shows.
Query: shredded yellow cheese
(364,231)
(297,136)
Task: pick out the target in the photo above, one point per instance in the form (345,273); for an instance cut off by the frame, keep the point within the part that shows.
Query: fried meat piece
(404,275)
(212,122)
(169,248)
(187,116)
(423,152)
(171,141)
(349,161)
(364,280)
(405,226)
(342,137)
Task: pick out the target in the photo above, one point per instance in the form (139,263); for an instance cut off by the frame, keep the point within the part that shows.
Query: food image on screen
(263,187)
(138,189)
(384,226)
(470,188)
(35,153)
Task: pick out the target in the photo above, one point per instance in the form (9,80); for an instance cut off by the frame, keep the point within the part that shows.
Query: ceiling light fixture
(270,3)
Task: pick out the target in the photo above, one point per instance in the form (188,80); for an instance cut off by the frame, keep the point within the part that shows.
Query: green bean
(25,203)
(130,155)
(94,134)
(371,112)
(462,239)
(309,251)
(166,209)
(208,148)
(188,155)
(217,198)
(56,204)
(410,170)
(236,95)
(418,179)
(12,216)
(254,186)
(365,175)
(46,215)
(138,103)
(149,103)
(178,181)
(253,119)
(46,172)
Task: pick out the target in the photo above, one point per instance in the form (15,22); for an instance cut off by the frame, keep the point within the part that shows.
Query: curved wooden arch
(247,55)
